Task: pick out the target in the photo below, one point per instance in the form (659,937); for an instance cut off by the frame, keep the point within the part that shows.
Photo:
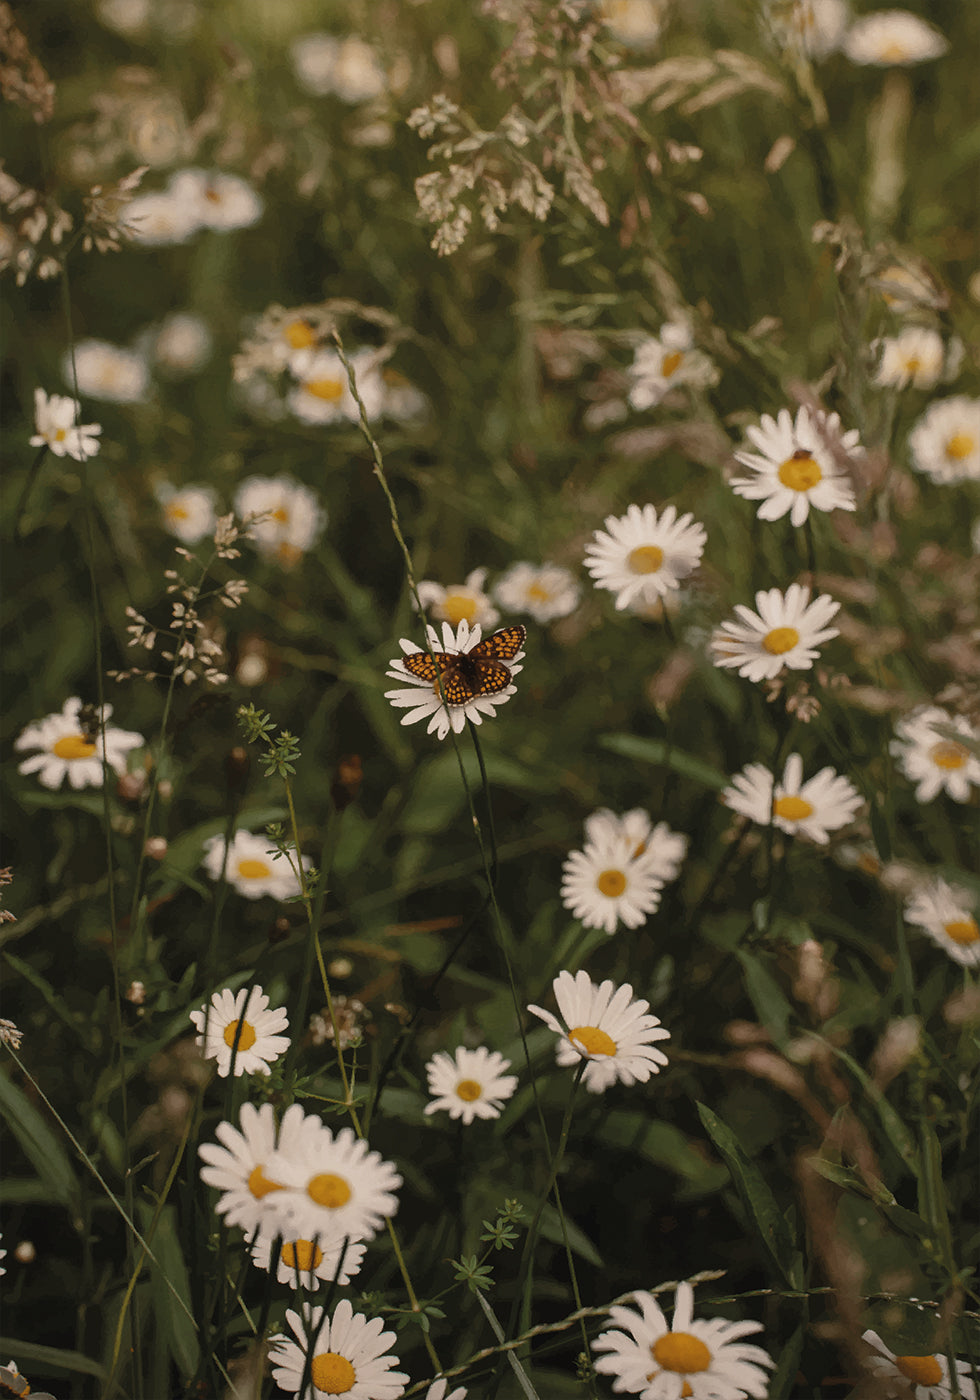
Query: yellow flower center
(299,334)
(260,1185)
(73,746)
(894,52)
(468,1090)
(793,808)
(800,472)
(328,1190)
(254,869)
(175,511)
(303,1255)
(780,640)
(924,1370)
(212,195)
(948,754)
(645,560)
(332,1374)
(593,1041)
(680,1352)
(457,608)
(611,883)
(331,390)
(280,515)
(672,363)
(60,435)
(959,446)
(962,930)
(913,364)
(247,1038)
(538,593)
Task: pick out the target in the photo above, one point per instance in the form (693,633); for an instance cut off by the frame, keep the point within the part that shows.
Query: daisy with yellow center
(238,1165)
(469,1084)
(797,465)
(459,602)
(99,370)
(690,1357)
(284,518)
(947,914)
(604,1026)
(419,696)
(945,443)
(824,803)
(335,1187)
(661,848)
(608,883)
(786,632)
(893,38)
(56,429)
(642,555)
(249,867)
(71,745)
(666,362)
(322,394)
(921,1377)
(308,1263)
(219,201)
(543,591)
(936,762)
(248,1035)
(346,1355)
(915,357)
(188,512)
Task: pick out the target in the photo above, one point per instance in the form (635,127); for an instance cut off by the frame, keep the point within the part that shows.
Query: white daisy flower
(336,1187)
(346,1355)
(697,1357)
(464,683)
(56,429)
(662,849)
(822,804)
(239,1167)
(404,402)
(323,393)
(188,511)
(182,344)
(664,362)
(543,591)
(437,1391)
(469,1084)
(219,201)
(259,1041)
(922,1377)
(935,763)
(287,518)
(460,602)
(893,38)
(106,372)
(157,219)
(348,68)
(641,557)
(815,28)
(786,631)
(307,1262)
(249,868)
(607,884)
(915,356)
(638,23)
(945,442)
(796,465)
(945,912)
(71,744)
(604,1026)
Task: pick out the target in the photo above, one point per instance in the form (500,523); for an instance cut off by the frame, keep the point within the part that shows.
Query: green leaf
(578,1240)
(771,1007)
(895,1130)
(50,1357)
(666,1146)
(783,1380)
(77,1024)
(174,1323)
(659,752)
(40,1145)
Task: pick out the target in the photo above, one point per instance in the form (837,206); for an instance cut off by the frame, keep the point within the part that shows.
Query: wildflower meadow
(491,741)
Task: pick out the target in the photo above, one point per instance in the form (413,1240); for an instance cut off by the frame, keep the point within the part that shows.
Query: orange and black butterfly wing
(501,646)
(427,666)
(488,677)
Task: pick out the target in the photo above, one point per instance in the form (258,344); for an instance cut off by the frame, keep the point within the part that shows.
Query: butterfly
(480,671)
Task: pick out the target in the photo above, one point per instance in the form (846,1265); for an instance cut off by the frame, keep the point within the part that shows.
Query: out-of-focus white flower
(71,744)
(323,393)
(945,442)
(157,219)
(459,602)
(915,356)
(188,512)
(663,849)
(348,68)
(108,372)
(219,201)
(666,362)
(607,884)
(56,429)
(543,591)
(814,27)
(638,23)
(893,38)
(249,868)
(287,518)
(404,402)
(945,912)
(182,344)
(932,761)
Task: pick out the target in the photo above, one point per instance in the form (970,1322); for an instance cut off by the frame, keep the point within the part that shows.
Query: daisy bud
(156,847)
(280,930)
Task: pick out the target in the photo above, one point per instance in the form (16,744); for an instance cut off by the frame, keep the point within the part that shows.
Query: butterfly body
(464,676)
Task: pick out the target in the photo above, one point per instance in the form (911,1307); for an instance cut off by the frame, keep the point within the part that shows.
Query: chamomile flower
(307,1262)
(218,200)
(796,465)
(348,68)
(641,556)
(343,1355)
(664,362)
(916,357)
(255,1025)
(459,602)
(470,685)
(945,442)
(56,429)
(946,913)
(470,1083)
(323,394)
(893,38)
(922,1377)
(71,745)
(107,372)
(604,1026)
(188,511)
(287,519)
(437,1391)
(786,631)
(249,868)
(824,803)
(543,591)
(335,1186)
(697,1357)
(607,884)
(238,1164)
(932,761)
(815,28)
(662,849)
(182,344)
(157,219)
